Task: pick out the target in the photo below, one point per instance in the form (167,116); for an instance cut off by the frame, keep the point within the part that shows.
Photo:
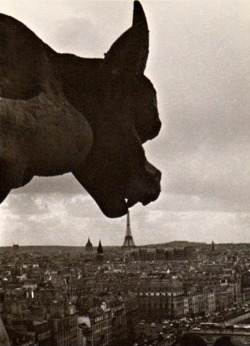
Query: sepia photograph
(125,173)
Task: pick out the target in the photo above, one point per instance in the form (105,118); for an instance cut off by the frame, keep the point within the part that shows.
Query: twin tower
(128,242)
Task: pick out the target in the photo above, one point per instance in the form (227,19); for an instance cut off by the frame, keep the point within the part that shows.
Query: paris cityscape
(128,296)
(76,269)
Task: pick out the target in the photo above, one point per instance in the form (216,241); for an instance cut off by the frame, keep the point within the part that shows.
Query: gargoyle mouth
(143,189)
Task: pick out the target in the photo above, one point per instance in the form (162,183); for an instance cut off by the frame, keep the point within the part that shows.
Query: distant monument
(89,246)
(128,240)
(99,254)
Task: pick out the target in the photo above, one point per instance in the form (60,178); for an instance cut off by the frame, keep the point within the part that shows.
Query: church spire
(100,248)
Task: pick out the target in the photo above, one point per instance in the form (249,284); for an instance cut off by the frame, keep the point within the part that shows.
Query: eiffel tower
(128,240)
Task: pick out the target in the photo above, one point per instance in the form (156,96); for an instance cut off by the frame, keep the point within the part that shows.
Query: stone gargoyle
(62,113)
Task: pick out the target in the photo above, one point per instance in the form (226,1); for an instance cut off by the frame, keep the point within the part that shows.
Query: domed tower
(89,246)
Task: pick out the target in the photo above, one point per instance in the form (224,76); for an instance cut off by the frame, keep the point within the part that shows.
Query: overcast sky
(199,63)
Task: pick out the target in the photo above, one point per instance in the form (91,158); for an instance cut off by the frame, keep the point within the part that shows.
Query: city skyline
(198,63)
(159,295)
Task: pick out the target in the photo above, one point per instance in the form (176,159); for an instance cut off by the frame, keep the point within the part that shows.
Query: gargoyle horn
(129,52)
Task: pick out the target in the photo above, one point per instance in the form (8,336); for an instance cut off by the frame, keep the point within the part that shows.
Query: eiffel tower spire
(128,240)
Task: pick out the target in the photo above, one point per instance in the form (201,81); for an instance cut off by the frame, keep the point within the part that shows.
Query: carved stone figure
(61,113)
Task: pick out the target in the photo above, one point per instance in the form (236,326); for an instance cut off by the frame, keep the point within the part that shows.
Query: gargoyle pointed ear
(139,15)
(129,52)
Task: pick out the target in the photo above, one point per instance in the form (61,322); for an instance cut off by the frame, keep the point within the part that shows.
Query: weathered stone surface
(62,113)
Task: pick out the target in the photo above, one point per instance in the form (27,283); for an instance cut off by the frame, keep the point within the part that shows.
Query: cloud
(87,39)
(25,205)
(66,183)
(199,61)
